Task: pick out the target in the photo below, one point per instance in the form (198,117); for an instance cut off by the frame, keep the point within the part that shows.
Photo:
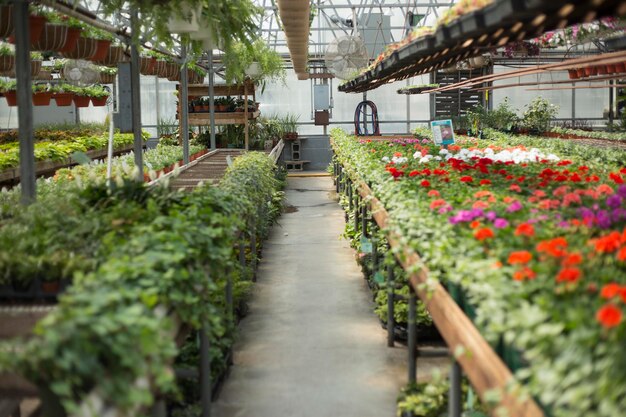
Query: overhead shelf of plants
(472,27)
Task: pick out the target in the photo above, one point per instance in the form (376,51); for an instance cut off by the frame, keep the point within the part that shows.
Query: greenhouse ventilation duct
(294,15)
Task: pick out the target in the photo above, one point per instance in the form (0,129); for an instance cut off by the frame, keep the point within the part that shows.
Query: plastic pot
(53,38)
(63,99)
(610,68)
(186,24)
(581,72)
(82,101)
(102,49)
(42,99)
(620,67)
(36,25)
(601,69)
(573,74)
(99,102)
(11,97)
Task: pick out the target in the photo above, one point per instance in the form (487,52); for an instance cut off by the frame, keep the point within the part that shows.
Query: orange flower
(609,243)
(525,229)
(508,200)
(497,265)
(520,257)
(604,189)
(474,224)
(568,275)
(524,273)
(554,247)
(433,193)
(539,193)
(572,259)
(482,193)
(484,233)
(610,290)
(480,205)
(609,316)
(621,255)
(437,203)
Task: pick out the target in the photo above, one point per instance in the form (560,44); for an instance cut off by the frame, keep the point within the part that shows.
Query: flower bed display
(531,237)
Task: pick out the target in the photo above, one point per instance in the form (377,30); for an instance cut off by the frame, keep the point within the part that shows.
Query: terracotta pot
(99,102)
(6,21)
(590,71)
(102,49)
(11,97)
(197,109)
(52,38)
(573,74)
(82,101)
(50,287)
(581,72)
(85,48)
(610,68)
(72,39)
(63,99)
(36,25)
(35,67)
(621,67)
(107,78)
(115,54)
(7,62)
(601,69)
(42,99)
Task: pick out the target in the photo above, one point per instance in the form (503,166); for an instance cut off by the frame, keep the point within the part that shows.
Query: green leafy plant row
(156,258)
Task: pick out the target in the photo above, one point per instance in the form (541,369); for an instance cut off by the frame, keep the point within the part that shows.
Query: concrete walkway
(311,344)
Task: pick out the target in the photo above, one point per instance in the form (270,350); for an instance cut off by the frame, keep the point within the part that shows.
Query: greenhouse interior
(312,208)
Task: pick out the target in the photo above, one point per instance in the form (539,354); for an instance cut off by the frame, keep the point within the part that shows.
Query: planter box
(34,291)
(442,37)
(472,23)
(455,30)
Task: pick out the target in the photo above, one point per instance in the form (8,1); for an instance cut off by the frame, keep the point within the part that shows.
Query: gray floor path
(311,345)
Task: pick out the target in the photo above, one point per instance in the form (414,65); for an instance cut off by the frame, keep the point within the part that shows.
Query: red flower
(433,193)
(466,178)
(425,183)
(568,275)
(484,233)
(525,229)
(617,179)
(485,182)
(554,247)
(573,259)
(610,290)
(413,173)
(609,243)
(474,224)
(609,316)
(524,273)
(564,162)
(621,255)
(515,187)
(437,203)
(521,257)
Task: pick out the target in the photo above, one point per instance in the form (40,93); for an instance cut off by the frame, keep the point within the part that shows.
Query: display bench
(244,91)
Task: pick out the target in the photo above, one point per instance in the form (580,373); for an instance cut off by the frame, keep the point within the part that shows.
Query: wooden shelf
(231,118)
(202,90)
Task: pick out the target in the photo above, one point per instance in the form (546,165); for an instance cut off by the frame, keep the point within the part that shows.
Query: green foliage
(538,114)
(243,55)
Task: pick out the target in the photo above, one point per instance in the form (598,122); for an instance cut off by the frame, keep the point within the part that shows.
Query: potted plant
(538,114)
(107,75)
(7,57)
(81,96)
(114,55)
(620,67)
(601,69)
(41,94)
(8,89)
(62,95)
(36,59)
(53,38)
(183,19)
(221,104)
(290,126)
(99,95)
(261,63)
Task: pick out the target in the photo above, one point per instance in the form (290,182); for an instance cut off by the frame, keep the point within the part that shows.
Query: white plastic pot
(253,70)
(188,23)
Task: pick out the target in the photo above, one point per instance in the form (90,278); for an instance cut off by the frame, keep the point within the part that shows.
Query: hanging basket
(102,50)
(194,78)
(35,67)
(72,39)
(35,25)
(82,101)
(6,21)
(160,68)
(186,24)
(85,48)
(107,78)
(172,71)
(52,38)
(99,102)
(7,62)
(43,76)
(115,54)
(63,99)
(175,76)
(11,97)
(147,65)
(42,99)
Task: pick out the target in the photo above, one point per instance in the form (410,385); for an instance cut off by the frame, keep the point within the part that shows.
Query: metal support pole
(136,97)
(350,195)
(337,178)
(454,403)
(391,321)
(211,99)
(242,252)
(356,212)
(24,101)
(205,373)
(230,312)
(412,337)
(184,108)
(611,102)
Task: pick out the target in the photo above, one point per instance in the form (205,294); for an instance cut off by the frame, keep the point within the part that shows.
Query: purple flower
(477,213)
(534,210)
(603,219)
(563,224)
(445,209)
(513,207)
(585,212)
(491,216)
(622,191)
(614,201)
(618,214)
(500,223)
